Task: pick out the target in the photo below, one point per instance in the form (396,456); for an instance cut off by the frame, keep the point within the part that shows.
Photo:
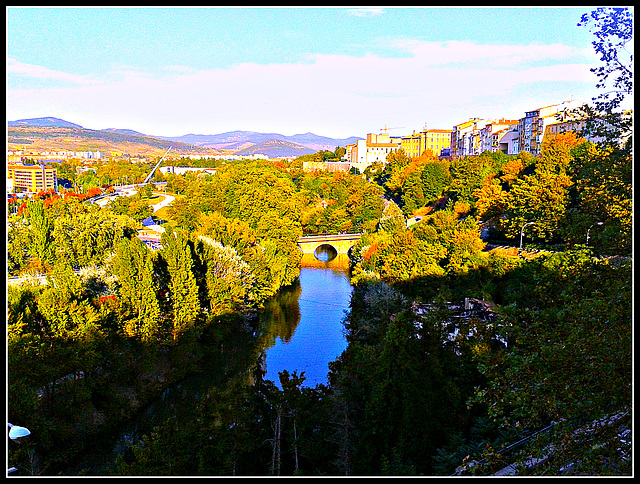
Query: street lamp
(597,223)
(17,434)
(522,233)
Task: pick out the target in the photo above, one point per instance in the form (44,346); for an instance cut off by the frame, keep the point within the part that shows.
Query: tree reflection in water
(303,323)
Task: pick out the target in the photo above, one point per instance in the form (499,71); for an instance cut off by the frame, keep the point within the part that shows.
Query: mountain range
(273,145)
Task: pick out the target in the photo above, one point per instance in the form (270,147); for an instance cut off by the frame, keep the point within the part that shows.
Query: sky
(335,72)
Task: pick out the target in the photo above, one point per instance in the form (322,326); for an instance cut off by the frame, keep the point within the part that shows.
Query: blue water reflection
(322,298)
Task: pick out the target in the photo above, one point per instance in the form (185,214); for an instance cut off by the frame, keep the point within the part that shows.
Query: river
(306,320)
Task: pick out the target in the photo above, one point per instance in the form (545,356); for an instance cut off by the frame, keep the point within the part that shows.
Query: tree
(225,276)
(491,198)
(229,232)
(392,219)
(41,227)
(435,179)
(541,198)
(394,174)
(184,212)
(469,173)
(86,234)
(602,176)
(511,171)
(183,290)
(134,207)
(613,29)
(285,232)
(133,267)
(147,190)
(602,192)
(569,347)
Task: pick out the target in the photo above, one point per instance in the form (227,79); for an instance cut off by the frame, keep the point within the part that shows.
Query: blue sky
(332,71)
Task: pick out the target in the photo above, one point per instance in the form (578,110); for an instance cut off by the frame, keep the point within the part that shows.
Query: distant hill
(42,137)
(275,148)
(129,132)
(54,133)
(234,140)
(48,122)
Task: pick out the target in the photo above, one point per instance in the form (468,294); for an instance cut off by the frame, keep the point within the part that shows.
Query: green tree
(40,246)
(285,232)
(469,173)
(133,267)
(569,347)
(394,174)
(613,29)
(413,196)
(540,198)
(183,290)
(86,234)
(229,232)
(134,207)
(602,192)
(392,219)
(435,179)
(147,190)
(227,278)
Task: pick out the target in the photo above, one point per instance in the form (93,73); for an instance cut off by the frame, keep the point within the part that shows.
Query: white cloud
(340,94)
(365,12)
(21,69)
(463,52)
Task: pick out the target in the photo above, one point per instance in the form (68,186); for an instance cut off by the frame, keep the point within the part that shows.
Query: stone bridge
(340,242)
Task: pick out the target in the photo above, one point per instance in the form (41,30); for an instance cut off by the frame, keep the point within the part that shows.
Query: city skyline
(336,72)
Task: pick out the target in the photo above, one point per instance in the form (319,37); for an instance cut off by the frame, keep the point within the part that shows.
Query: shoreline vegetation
(460,361)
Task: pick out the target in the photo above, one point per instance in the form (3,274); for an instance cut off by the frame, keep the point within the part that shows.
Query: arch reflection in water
(325,253)
(308,339)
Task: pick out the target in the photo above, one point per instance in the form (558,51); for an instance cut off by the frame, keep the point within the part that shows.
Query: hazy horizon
(334,72)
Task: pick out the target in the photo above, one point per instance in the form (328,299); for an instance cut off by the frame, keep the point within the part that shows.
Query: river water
(305,321)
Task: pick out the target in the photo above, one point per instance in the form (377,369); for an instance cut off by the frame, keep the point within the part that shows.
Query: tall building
(531,128)
(373,150)
(495,135)
(31,178)
(465,137)
(434,140)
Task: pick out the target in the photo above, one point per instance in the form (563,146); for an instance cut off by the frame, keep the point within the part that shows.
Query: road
(168,199)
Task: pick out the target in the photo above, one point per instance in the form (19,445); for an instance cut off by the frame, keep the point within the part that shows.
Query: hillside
(238,140)
(48,122)
(47,138)
(274,148)
(49,133)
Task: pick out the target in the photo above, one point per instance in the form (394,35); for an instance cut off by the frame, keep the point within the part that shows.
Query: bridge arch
(341,243)
(325,252)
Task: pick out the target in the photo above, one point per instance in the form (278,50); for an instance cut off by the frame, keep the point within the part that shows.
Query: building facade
(31,178)
(465,137)
(531,128)
(493,136)
(434,140)
(373,150)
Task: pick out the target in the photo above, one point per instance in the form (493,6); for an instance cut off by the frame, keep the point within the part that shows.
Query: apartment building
(434,140)
(531,128)
(31,178)
(497,135)
(465,137)
(372,150)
